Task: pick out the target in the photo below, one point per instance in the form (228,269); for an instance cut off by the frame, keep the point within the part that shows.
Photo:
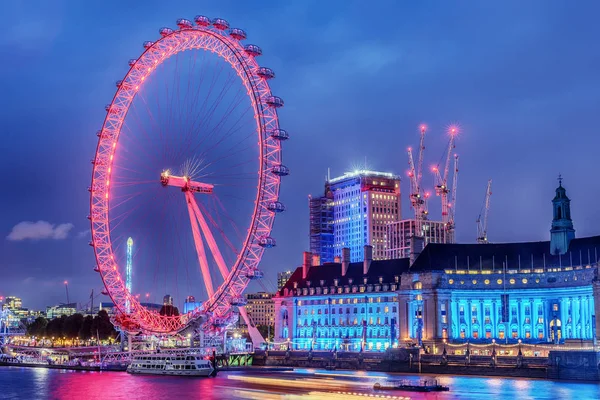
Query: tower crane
(482,224)
(418,199)
(451,206)
(441,181)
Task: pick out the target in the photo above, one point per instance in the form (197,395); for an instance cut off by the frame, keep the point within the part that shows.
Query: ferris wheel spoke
(207,119)
(217,227)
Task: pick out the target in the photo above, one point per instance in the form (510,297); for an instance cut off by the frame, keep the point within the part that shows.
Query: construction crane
(441,181)
(485,210)
(451,206)
(418,199)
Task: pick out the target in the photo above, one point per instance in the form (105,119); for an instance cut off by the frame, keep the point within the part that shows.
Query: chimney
(337,259)
(345,260)
(306,261)
(417,243)
(316,260)
(368,252)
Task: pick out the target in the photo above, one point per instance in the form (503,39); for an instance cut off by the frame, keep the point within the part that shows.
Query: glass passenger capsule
(165,31)
(279,134)
(276,207)
(267,242)
(265,73)
(220,23)
(280,170)
(253,50)
(183,23)
(201,20)
(274,101)
(238,301)
(254,274)
(237,34)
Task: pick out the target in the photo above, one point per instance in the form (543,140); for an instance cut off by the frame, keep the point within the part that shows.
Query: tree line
(74,326)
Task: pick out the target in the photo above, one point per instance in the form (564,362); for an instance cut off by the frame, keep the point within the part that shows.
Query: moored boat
(170,364)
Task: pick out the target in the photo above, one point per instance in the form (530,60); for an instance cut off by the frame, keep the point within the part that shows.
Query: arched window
(417,285)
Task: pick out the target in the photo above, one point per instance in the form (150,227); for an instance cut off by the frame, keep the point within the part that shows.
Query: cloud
(39,230)
(83,234)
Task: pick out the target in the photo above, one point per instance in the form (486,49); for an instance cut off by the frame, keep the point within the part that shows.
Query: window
(501,334)
(555,307)
(499,281)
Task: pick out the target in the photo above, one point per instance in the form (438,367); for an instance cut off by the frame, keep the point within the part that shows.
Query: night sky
(521,79)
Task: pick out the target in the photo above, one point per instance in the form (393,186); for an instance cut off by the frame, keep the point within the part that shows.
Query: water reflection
(25,383)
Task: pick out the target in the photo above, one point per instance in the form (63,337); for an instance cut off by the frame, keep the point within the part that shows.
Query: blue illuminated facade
(535,292)
(354,211)
(343,306)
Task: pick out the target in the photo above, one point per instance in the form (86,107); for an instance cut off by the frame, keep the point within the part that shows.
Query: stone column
(573,317)
(456,318)
(403,317)
(494,318)
(546,323)
(519,319)
(469,315)
(449,316)
(596,291)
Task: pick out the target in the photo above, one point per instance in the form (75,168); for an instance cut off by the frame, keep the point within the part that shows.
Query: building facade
(321,225)
(399,236)
(282,278)
(535,292)
(359,207)
(260,308)
(60,310)
(344,306)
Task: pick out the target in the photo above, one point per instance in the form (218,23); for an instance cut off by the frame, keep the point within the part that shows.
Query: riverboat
(170,364)
(423,386)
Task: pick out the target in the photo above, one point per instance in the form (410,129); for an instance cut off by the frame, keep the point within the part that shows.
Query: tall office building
(282,278)
(321,225)
(356,208)
(400,234)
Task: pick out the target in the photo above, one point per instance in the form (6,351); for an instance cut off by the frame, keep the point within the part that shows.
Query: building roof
(527,255)
(386,269)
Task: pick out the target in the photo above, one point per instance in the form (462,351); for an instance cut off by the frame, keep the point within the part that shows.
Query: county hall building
(536,292)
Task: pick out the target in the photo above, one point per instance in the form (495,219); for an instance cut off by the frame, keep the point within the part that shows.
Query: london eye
(188,164)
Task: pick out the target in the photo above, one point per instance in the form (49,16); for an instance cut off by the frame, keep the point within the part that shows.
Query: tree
(55,327)
(85,332)
(72,326)
(37,327)
(102,326)
(264,331)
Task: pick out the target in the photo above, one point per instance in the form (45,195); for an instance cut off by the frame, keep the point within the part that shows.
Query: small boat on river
(411,386)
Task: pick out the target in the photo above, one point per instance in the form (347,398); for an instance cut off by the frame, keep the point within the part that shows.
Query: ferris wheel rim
(267,189)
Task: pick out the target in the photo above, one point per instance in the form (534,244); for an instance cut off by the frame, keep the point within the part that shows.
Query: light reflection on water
(38,383)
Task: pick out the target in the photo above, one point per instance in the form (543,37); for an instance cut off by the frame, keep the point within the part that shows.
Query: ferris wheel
(188,164)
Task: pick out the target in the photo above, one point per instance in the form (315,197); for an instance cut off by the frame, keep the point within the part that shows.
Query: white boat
(170,364)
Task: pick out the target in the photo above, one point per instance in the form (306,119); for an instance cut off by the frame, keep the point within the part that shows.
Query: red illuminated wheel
(188,164)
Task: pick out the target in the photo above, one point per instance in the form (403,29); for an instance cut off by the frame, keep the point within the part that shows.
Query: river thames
(38,383)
